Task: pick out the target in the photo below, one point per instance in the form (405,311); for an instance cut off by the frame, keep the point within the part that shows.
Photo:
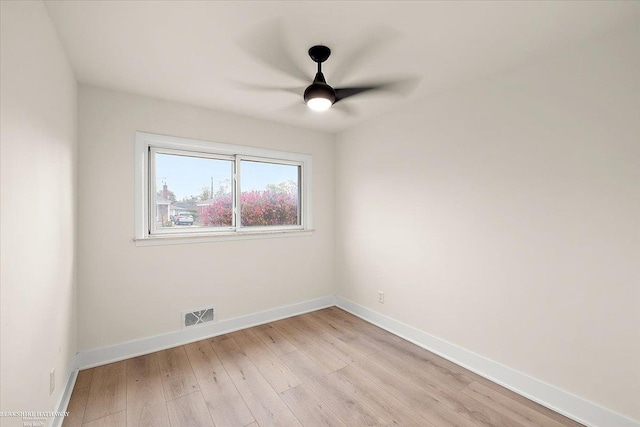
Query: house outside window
(163,205)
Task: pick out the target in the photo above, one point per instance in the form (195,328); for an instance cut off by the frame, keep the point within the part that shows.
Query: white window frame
(147,145)
(153,226)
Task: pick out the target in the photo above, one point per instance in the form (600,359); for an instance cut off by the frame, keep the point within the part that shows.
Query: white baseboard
(115,353)
(563,402)
(63,403)
(102,356)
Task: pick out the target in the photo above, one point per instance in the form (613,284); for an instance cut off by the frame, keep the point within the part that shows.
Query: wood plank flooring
(326,368)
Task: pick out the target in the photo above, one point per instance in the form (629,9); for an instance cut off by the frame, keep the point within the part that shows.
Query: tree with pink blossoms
(276,205)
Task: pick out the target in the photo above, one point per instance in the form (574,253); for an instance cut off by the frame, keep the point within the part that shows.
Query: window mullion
(300,196)
(236,195)
(152,192)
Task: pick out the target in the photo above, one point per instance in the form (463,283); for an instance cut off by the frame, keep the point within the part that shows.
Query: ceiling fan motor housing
(319,90)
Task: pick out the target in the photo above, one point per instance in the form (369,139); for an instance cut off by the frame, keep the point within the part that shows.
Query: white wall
(128,292)
(38,210)
(503,217)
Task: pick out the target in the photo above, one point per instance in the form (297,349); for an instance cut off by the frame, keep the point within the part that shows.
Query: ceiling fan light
(319,96)
(319,104)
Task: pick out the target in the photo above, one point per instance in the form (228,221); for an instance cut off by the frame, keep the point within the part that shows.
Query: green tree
(285,187)
(191,200)
(223,187)
(171,194)
(205,194)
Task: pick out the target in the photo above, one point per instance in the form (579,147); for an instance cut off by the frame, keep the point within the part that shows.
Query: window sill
(222,237)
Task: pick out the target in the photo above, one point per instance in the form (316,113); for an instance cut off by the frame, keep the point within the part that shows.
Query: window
(188,190)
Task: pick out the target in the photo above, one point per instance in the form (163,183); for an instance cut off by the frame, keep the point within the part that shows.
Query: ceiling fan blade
(264,88)
(345,108)
(268,45)
(402,87)
(367,45)
(297,108)
(351,91)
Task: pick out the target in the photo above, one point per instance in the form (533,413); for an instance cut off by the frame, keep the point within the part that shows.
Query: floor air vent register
(197,317)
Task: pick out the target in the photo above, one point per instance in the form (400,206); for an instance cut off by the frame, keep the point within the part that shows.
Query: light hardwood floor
(326,368)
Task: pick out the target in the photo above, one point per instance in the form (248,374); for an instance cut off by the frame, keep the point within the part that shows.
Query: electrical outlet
(52,381)
(381,297)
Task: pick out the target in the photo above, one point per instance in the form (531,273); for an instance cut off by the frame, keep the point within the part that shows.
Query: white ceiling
(196,51)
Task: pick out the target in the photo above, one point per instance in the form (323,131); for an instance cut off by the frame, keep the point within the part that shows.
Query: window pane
(270,194)
(192,193)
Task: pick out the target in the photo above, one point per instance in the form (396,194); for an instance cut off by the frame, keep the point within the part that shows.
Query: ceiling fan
(319,96)
(268,47)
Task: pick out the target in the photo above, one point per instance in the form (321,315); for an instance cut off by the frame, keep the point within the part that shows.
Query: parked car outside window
(184,219)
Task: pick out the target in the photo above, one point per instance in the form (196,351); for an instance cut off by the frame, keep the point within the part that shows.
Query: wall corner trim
(63,403)
(563,402)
